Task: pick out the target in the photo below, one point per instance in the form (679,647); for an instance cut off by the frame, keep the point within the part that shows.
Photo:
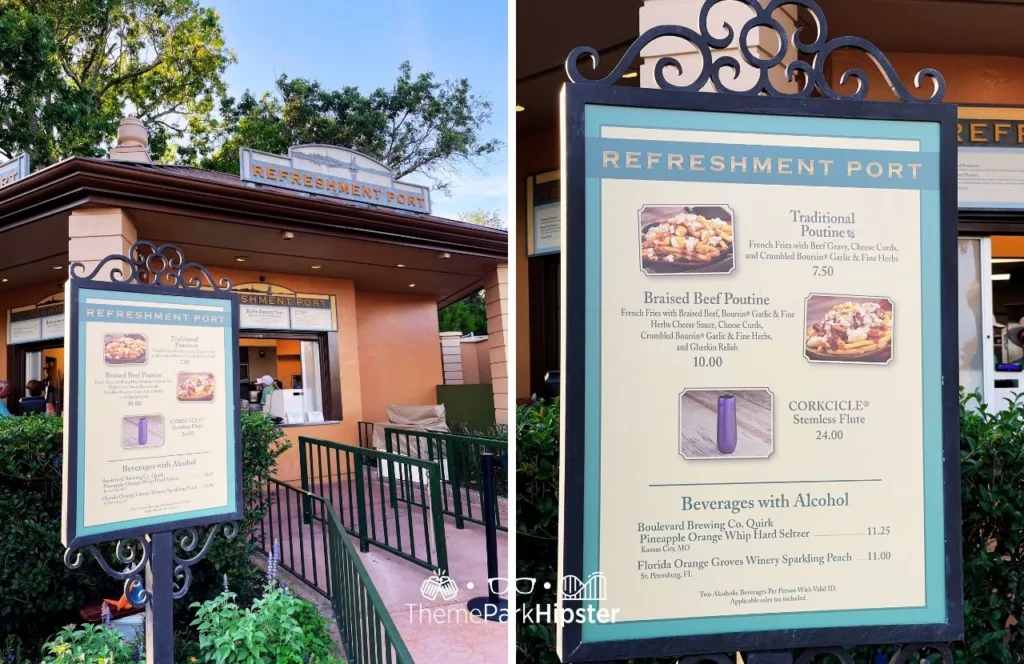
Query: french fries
(867,322)
(686,238)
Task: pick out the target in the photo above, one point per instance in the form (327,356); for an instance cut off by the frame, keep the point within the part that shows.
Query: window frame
(330,368)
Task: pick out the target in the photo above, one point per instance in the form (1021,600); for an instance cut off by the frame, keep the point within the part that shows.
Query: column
(763,42)
(496,299)
(451,357)
(95,233)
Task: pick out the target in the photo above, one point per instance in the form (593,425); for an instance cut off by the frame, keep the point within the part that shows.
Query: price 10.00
(707,361)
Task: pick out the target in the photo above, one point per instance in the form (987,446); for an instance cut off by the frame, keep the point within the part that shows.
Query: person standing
(3,399)
(267,387)
(37,401)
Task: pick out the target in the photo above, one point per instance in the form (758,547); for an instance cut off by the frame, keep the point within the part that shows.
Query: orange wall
(399,351)
(534,153)
(351,389)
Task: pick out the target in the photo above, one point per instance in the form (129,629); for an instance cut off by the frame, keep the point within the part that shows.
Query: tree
(481,217)
(161,60)
(420,125)
(468,315)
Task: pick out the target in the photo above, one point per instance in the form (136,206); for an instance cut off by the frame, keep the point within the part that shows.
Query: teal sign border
(232,509)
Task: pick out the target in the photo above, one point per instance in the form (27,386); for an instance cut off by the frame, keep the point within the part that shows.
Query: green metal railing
(459,457)
(368,633)
(284,504)
(350,479)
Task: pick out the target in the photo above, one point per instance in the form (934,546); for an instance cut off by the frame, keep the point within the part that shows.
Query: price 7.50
(824,271)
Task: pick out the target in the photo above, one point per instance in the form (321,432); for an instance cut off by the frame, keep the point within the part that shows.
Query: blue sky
(340,42)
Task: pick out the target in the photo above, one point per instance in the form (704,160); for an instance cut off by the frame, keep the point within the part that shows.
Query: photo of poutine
(848,329)
(124,348)
(682,239)
(195,386)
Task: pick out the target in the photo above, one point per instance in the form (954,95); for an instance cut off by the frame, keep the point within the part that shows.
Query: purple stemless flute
(726,423)
(144,430)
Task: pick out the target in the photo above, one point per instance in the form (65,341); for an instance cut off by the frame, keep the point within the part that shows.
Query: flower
(225,583)
(107,618)
(275,558)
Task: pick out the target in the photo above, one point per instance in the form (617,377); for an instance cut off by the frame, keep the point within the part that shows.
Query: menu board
(268,307)
(991,157)
(544,213)
(36,323)
(154,416)
(761,404)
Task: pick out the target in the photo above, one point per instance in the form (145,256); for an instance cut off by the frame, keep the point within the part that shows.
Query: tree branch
(117,80)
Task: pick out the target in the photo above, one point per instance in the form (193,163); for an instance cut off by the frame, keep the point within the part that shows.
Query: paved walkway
(436,631)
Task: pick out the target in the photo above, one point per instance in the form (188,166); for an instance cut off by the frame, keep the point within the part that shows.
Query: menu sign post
(152,442)
(760,433)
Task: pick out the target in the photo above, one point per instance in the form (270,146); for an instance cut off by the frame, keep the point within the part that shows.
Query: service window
(303,376)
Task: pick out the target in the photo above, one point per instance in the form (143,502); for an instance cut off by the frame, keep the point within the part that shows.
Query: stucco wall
(348,342)
(399,351)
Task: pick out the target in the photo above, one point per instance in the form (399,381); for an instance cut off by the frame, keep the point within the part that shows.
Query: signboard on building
(991,157)
(14,170)
(760,408)
(544,213)
(326,170)
(268,307)
(152,439)
(39,322)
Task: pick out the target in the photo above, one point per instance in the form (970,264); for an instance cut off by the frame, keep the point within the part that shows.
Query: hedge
(39,595)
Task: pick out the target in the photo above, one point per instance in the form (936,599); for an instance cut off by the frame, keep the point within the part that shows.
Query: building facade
(340,269)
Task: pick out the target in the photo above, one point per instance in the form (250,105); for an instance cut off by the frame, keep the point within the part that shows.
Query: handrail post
(364,544)
(492,607)
(391,468)
(437,516)
(455,480)
(307,504)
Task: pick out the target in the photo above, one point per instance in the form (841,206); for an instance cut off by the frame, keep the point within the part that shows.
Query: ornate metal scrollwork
(133,552)
(812,73)
(147,264)
(188,539)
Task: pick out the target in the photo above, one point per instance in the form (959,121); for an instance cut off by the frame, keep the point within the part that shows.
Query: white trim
(988,368)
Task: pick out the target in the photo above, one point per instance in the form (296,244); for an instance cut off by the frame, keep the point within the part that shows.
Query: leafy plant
(40,593)
(262,445)
(75,67)
(537,459)
(421,125)
(279,628)
(88,643)
(992,482)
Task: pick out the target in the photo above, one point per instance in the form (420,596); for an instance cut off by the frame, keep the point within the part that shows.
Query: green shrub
(262,445)
(992,483)
(88,643)
(537,459)
(279,628)
(40,593)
